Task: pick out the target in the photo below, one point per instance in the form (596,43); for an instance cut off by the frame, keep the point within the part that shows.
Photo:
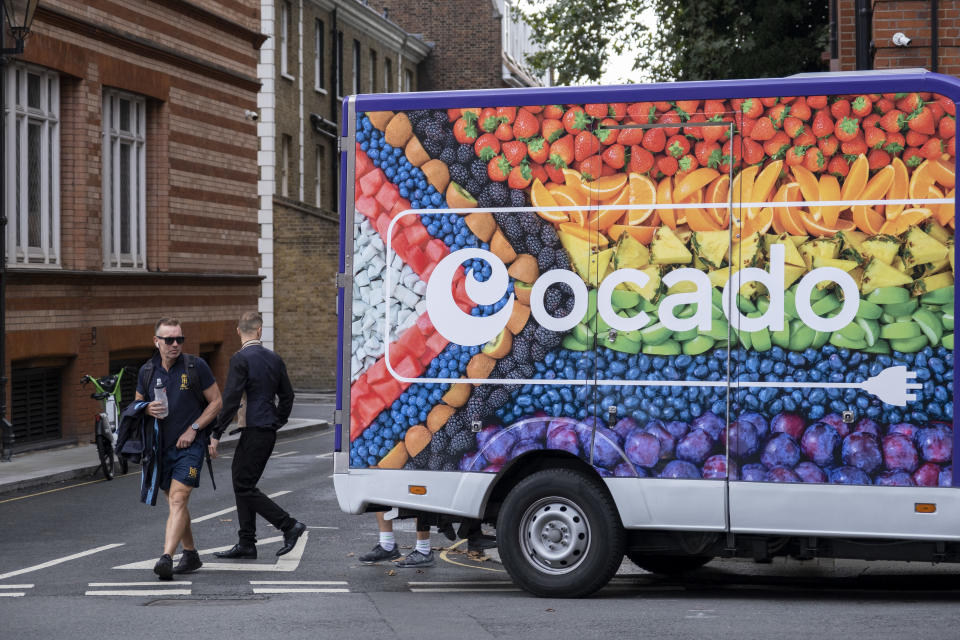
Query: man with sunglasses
(182,445)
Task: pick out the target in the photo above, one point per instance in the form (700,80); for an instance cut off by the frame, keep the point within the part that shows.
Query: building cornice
(365,19)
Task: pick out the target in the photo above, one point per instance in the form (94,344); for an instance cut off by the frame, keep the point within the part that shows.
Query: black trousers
(249,460)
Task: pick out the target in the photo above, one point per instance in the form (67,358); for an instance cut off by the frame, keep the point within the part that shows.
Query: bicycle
(106,423)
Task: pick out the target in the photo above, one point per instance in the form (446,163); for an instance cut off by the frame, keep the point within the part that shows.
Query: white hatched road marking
(285,453)
(285,563)
(51,563)
(135,589)
(299,586)
(234,508)
(152,583)
(14,594)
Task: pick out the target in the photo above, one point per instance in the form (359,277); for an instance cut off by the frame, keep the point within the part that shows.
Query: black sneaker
(164,567)
(417,559)
(189,562)
(378,554)
(481,541)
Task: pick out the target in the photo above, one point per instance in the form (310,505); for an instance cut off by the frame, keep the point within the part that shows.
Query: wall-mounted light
(900,39)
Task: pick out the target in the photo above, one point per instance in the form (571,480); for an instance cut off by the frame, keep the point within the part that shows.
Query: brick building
(931,28)
(131,193)
(320,51)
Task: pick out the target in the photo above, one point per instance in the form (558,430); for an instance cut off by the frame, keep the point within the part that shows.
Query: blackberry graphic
(458,173)
(473,186)
(561,260)
(435,462)
(419,461)
(552,300)
(521,350)
(433,147)
(464,441)
(517,198)
(534,247)
(498,192)
(499,397)
(568,305)
(448,156)
(478,171)
(545,258)
(529,331)
(476,409)
(548,234)
(465,153)
(511,226)
(547,338)
(433,132)
(439,442)
(526,370)
(538,352)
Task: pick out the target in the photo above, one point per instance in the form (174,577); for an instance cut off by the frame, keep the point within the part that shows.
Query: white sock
(423,546)
(387,540)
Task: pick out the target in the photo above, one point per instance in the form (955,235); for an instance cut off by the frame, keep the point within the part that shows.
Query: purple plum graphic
(605,443)
(946,477)
(866,425)
(894,479)
(753,472)
(936,444)
(676,428)
(680,469)
(525,446)
(627,470)
(788,423)
(819,443)
(667,443)
(531,428)
(710,423)
(861,450)
(486,433)
(562,435)
(780,451)
(810,473)
(835,421)
(498,447)
(715,467)
(848,475)
(642,449)
(472,462)
(928,475)
(623,427)
(758,421)
(899,453)
(905,429)
(695,446)
(743,439)
(781,474)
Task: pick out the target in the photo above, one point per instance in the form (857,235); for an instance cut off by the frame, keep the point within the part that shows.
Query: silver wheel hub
(555,535)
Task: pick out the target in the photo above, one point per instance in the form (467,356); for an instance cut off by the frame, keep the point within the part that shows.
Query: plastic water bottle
(160,395)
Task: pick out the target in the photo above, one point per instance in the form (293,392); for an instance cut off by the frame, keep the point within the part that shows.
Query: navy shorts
(183,465)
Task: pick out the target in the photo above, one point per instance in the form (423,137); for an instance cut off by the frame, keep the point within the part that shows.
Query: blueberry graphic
(894,479)
(928,475)
(862,451)
(899,453)
(788,423)
(780,451)
(810,473)
(642,449)
(849,475)
(753,472)
(781,474)
(695,446)
(819,443)
(710,423)
(680,469)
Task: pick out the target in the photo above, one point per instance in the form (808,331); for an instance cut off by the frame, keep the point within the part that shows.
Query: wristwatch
(195,426)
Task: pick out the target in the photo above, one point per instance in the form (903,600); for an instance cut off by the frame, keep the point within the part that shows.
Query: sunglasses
(169,341)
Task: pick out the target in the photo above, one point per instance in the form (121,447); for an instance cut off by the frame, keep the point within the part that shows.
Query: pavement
(34,469)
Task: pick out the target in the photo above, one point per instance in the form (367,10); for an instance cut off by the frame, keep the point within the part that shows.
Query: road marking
(328,454)
(285,563)
(51,563)
(463,590)
(445,556)
(441,583)
(275,591)
(141,592)
(12,594)
(152,583)
(286,453)
(72,486)
(287,586)
(16,586)
(314,582)
(233,508)
(320,527)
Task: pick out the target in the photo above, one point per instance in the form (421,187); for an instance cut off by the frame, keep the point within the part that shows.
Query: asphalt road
(106,543)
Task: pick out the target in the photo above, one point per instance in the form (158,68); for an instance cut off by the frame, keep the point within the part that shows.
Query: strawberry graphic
(520,177)
(763,129)
(488,120)
(714,109)
(630,137)
(465,129)
(947,104)
(828,146)
(877,158)
(686,108)
(911,157)
(534,109)
(921,121)
(695,132)
(591,168)
(795,155)
(678,146)
(614,156)
(752,151)
(872,120)
(507,114)
(575,120)
(641,112)
(585,145)
(730,151)
(838,166)
(892,121)
(817,102)
(840,109)
(504,132)
(806,139)
(687,164)
(618,110)
(915,139)
(514,151)
(854,147)
(932,149)
(606,135)
(641,160)
(895,143)
(861,106)
(554,173)
(800,109)
(875,137)
(813,160)
(561,152)
(847,128)
(487,146)
(777,146)
(662,106)
(883,105)
(751,108)
(553,111)
(822,123)
(667,165)
(597,110)
(654,140)
(525,125)
(793,126)
(777,113)
(538,172)
(552,129)
(909,103)
(947,127)
(498,169)
(538,150)
(936,109)
(454,114)
(670,117)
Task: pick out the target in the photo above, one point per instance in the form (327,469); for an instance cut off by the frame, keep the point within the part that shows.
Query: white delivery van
(674,321)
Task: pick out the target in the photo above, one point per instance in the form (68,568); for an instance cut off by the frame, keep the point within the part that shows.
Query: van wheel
(559,534)
(667,565)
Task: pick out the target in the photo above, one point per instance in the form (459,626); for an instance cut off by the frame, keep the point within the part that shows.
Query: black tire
(105,451)
(559,534)
(666,564)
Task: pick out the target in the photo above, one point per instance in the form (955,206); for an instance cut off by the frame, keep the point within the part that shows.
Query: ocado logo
(467,330)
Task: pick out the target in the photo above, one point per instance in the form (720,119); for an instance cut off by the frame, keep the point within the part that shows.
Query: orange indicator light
(417,490)
(925,507)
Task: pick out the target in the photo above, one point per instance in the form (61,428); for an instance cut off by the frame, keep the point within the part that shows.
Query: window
(284,176)
(32,123)
(407,80)
(356,67)
(388,75)
(35,403)
(318,197)
(339,55)
(284,37)
(124,179)
(318,57)
(373,71)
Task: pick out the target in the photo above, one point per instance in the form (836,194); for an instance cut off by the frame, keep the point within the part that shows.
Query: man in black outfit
(261,374)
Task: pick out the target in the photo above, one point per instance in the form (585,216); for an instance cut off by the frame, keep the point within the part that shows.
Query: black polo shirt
(184,403)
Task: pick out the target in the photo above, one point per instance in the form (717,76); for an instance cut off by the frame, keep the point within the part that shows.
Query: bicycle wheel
(105,451)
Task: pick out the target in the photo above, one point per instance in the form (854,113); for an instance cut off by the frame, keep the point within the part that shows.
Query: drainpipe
(864,19)
(834,43)
(335,114)
(934,35)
